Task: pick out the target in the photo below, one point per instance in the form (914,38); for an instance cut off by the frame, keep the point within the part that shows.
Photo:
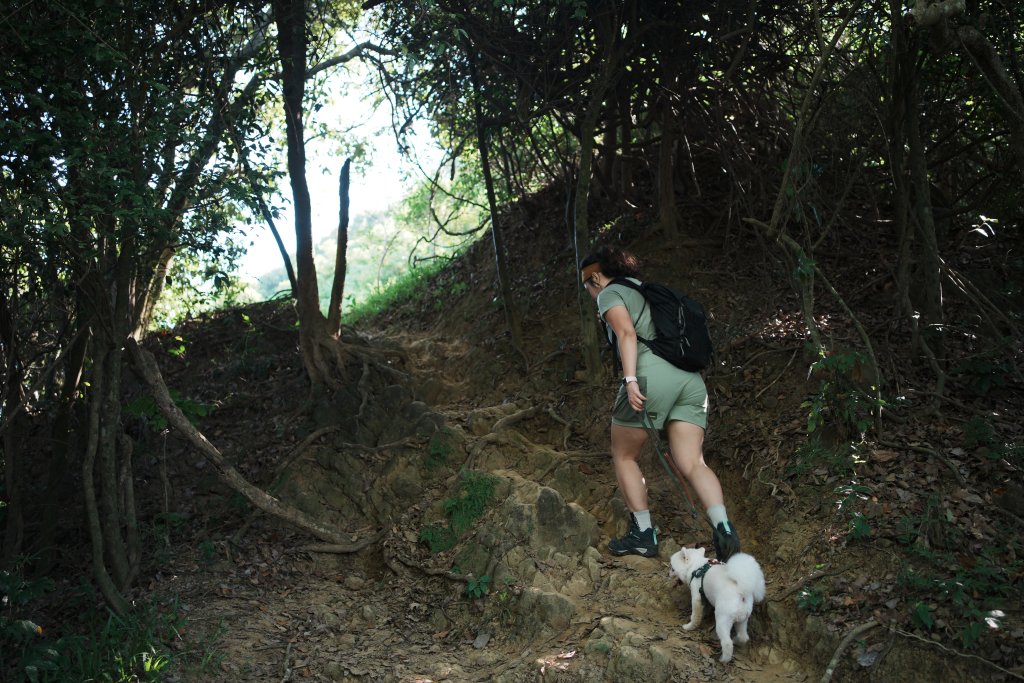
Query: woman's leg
(626,445)
(686,441)
(640,538)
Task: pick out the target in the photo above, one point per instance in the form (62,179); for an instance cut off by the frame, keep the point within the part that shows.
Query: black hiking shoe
(726,540)
(635,542)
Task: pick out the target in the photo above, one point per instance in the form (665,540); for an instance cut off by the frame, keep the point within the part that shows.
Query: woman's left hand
(636,399)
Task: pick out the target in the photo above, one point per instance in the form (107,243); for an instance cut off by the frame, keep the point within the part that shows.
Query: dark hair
(614,262)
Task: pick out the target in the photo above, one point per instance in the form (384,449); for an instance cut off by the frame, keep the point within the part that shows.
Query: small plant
(475,491)
(814,454)
(177,348)
(98,646)
(21,640)
(438,450)
(859,527)
(810,599)
(978,587)
(979,433)
(983,374)
(477,587)
(841,399)
(922,616)
(852,492)
(146,409)
(207,551)
(504,599)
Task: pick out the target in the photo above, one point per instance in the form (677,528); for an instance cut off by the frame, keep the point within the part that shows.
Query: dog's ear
(699,552)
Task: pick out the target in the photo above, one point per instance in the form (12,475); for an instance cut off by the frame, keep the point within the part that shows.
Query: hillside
(528,589)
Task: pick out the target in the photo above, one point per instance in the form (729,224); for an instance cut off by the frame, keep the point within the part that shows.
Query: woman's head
(606,264)
(612,262)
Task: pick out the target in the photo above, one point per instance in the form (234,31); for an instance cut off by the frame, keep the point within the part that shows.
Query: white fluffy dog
(731,588)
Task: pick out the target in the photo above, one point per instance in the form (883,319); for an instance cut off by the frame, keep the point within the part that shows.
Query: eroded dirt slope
(528,591)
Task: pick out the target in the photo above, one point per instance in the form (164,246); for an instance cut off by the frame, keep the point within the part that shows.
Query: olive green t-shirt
(639,312)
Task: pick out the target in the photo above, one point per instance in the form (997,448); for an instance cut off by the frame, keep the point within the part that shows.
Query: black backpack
(680,326)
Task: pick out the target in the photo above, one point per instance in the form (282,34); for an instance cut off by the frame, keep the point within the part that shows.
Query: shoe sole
(637,551)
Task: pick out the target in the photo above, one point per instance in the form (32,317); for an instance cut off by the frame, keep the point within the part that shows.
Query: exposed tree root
(509,420)
(343,548)
(803,581)
(863,628)
(1008,672)
(567,432)
(148,370)
(393,559)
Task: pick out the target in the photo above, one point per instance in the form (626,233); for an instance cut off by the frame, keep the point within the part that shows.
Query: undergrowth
(976,588)
(96,644)
(475,490)
(412,286)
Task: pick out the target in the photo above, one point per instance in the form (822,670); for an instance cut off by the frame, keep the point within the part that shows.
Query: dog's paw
(742,638)
(689,627)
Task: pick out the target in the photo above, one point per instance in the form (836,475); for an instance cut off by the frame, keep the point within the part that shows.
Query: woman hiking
(673,398)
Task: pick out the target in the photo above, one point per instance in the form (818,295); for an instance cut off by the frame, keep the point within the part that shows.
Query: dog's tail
(746,572)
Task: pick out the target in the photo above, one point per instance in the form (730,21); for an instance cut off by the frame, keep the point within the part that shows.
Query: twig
(768,386)
(863,628)
(958,653)
(287,669)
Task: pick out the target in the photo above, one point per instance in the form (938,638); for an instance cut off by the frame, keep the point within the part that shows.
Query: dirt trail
(567,611)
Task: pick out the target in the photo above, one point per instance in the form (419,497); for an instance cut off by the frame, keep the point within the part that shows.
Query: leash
(648,424)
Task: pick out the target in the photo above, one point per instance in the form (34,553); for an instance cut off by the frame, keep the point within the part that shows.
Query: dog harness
(699,574)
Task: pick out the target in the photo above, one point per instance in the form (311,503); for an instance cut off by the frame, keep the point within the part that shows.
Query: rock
(1012,499)
(552,610)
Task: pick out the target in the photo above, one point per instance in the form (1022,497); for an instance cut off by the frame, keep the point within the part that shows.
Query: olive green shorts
(672,394)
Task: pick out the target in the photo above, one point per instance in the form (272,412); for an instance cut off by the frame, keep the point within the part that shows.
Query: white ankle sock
(643,519)
(717,514)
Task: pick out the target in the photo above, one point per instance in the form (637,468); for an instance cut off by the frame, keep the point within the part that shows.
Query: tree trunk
(92,513)
(668,213)
(1007,92)
(929,275)
(14,529)
(341,254)
(501,265)
(59,484)
(109,424)
(13,395)
(581,239)
(627,163)
(290,16)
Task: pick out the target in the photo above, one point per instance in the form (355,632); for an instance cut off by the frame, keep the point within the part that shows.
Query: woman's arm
(625,337)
